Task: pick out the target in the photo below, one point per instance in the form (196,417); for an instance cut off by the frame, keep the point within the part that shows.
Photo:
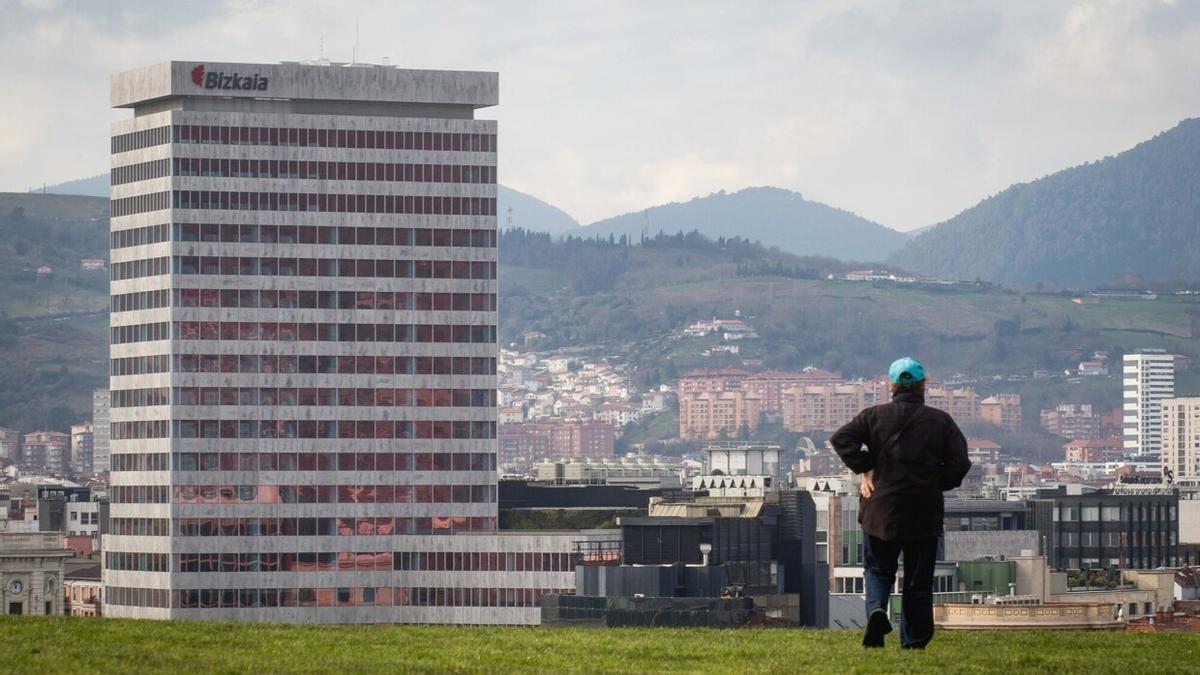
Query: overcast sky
(903,112)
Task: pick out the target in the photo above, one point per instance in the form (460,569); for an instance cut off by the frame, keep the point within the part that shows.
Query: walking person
(907,454)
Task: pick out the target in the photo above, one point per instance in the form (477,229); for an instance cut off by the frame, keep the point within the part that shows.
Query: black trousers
(920,558)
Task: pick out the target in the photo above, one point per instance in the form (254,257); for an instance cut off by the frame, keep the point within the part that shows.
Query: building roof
(85,573)
(982,444)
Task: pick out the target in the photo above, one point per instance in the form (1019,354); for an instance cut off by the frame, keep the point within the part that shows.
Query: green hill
(53,328)
(1133,218)
(774,216)
(72,645)
(608,295)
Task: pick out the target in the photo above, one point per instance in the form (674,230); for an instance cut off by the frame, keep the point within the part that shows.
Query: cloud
(903,111)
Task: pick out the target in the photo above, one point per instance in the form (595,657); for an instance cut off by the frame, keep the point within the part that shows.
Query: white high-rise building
(1181,438)
(1149,377)
(303,359)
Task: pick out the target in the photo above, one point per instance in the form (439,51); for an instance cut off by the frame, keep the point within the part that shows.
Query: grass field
(59,645)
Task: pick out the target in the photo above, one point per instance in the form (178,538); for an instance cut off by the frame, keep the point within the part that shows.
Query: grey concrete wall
(963,546)
(296,81)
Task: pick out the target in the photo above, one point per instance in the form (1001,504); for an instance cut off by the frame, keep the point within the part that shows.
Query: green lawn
(105,645)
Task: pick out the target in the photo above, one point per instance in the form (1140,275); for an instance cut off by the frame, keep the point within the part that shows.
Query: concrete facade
(31,573)
(303,350)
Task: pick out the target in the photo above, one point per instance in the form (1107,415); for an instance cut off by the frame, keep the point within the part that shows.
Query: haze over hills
(773,216)
(1130,218)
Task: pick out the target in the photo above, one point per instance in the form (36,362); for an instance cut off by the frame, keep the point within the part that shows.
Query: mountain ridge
(1129,218)
(770,215)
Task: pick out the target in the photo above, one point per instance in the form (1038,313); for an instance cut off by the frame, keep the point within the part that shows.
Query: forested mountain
(773,216)
(1131,218)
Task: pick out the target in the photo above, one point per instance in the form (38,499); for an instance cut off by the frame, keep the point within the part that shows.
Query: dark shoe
(878,625)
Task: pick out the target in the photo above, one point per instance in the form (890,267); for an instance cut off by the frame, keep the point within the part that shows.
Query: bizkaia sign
(219,80)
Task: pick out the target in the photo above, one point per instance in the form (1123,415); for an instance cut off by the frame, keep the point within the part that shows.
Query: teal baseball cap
(906,370)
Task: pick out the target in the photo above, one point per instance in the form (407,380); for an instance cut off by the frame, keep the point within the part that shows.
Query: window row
(343,365)
(469,561)
(138,562)
(317,202)
(302,169)
(310,396)
(131,173)
(139,494)
(136,140)
(127,206)
(137,597)
(330,267)
(136,269)
(335,494)
(122,431)
(345,429)
(140,236)
(141,461)
(130,398)
(285,331)
(129,302)
(234,233)
(352,561)
(232,298)
(139,527)
(141,332)
(335,461)
(328,527)
(370,596)
(140,365)
(332,138)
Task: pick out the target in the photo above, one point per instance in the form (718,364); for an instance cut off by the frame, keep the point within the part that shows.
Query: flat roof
(332,82)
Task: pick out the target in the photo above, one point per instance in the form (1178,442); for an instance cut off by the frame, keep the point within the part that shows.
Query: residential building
(713,414)
(1072,420)
(1003,410)
(84,590)
(10,444)
(772,385)
(540,440)
(100,431)
(82,444)
(1149,377)
(1181,438)
(46,452)
(1093,450)
(983,451)
(716,380)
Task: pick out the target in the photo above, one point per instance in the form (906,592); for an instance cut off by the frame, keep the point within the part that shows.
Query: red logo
(198,75)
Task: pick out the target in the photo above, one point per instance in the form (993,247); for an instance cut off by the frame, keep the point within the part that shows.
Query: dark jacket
(930,456)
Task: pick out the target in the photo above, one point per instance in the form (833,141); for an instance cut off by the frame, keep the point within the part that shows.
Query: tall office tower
(100,421)
(1149,378)
(1181,438)
(303,342)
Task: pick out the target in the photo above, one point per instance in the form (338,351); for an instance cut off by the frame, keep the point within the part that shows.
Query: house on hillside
(91,264)
(45,271)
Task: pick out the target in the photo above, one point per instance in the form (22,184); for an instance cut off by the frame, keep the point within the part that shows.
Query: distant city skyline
(905,113)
